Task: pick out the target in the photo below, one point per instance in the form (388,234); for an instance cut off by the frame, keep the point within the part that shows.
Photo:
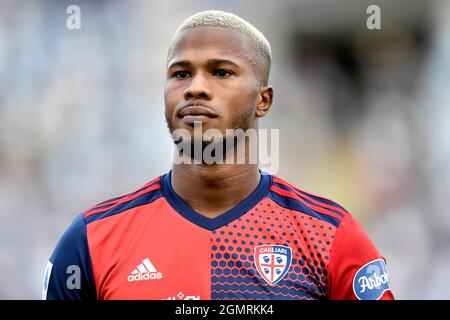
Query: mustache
(193,104)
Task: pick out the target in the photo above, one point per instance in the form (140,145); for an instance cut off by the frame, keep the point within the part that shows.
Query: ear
(264,101)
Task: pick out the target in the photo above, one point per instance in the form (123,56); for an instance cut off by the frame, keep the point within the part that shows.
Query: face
(212,80)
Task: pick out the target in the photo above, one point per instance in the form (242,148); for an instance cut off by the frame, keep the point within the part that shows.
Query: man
(216,230)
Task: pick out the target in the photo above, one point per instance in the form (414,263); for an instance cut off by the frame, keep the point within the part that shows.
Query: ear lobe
(264,101)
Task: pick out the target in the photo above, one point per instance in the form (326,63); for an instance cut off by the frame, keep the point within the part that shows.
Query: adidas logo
(144,271)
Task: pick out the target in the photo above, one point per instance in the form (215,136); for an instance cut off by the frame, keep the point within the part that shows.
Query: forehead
(212,42)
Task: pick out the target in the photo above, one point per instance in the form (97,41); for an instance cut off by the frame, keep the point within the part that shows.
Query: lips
(195,113)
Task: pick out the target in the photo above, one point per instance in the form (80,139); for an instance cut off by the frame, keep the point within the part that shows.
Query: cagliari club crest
(272,262)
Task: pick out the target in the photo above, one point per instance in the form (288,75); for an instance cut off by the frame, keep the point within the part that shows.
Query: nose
(198,88)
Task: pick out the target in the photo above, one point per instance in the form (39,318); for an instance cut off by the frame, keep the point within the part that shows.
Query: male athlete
(216,231)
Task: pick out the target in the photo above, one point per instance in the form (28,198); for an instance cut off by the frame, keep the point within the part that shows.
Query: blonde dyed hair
(222,19)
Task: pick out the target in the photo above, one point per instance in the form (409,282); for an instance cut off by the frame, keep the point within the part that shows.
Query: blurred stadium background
(364,119)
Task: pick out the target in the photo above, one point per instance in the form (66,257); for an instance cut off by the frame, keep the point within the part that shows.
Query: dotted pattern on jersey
(234,274)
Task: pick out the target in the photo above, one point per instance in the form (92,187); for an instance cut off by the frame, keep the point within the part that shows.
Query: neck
(213,189)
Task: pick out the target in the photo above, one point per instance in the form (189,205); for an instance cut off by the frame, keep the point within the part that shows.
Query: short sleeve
(68,274)
(357,271)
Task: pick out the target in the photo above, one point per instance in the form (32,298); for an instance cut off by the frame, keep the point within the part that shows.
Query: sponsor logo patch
(371,280)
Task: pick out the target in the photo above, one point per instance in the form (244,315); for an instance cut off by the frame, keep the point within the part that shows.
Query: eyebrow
(215,62)
(210,62)
(182,63)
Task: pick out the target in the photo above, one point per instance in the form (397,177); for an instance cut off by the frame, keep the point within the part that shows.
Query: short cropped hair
(217,18)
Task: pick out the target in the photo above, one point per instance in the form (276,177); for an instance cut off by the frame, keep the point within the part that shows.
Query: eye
(223,73)
(181,74)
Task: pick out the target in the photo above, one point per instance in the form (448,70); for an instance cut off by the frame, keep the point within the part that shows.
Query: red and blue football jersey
(279,243)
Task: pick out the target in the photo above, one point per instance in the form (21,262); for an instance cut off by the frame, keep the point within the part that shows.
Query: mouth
(196,113)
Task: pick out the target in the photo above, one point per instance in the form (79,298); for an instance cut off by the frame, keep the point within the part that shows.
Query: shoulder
(142,196)
(321,208)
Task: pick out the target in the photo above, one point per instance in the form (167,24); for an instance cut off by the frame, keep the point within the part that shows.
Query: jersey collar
(225,218)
